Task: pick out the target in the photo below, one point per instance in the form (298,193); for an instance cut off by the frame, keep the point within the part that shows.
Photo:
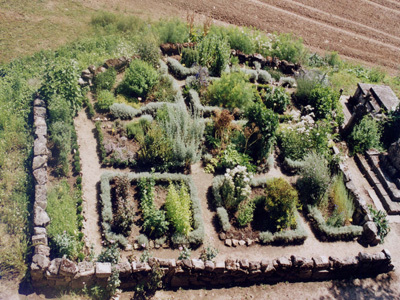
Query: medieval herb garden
(256,115)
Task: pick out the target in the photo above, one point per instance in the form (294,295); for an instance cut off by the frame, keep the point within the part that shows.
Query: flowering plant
(235,187)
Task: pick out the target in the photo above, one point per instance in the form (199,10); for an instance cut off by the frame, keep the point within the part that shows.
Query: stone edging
(196,273)
(39,167)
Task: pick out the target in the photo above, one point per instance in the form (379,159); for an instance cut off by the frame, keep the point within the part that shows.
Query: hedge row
(296,236)
(194,101)
(331,233)
(194,238)
(180,72)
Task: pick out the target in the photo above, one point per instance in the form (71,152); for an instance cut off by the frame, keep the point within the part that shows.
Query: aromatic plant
(365,135)
(149,50)
(381,222)
(231,91)
(178,209)
(276,100)
(184,253)
(139,79)
(172,31)
(109,254)
(342,201)
(66,244)
(280,203)
(245,212)
(230,158)
(123,213)
(235,187)
(326,103)
(214,52)
(104,100)
(286,46)
(105,80)
(189,57)
(260,131)
(208,253)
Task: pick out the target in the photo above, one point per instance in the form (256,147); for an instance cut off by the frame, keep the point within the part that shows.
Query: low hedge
(296,236)
(195,237)
(194,101)
(180,72)
(331,233)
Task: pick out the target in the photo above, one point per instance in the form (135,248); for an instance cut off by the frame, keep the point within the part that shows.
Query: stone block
(187,263)
(230,265)
(242,243)
(244,264)
(219,267)
(254,265)
(39,102)
(103,270)
(85,270)
(54,267)
(140,267)
(228,242)
(209,266)
(36,272)
(222,236)
(321,262)
(39,112)
(284,263)
(235,242)
(41,131)
(321,275)
(41,261)
(40,121)
(364,257)
(41,193)
(370,233)
(39,230)
(68,268)
(40,176)
(42,250)
(39,161)
(39,239)
(387,254)
(40,217)
(198,264)
(40,146)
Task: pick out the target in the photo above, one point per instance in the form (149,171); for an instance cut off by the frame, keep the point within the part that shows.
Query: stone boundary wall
(41,252)
(199,274)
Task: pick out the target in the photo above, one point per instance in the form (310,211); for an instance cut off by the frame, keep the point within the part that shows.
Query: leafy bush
(178,209)
(235,187)
(184,253)
(314,178)
(109,254)
(172,31)
(149,50)
(276,100)
(208,253)
(365,135)
(230,158)
(66,244)
(58,109)
(189,57)
(280,203)
(245,212)
(142,240)
(123,213)
(61,138)
(214,53)
(306,83)
(326,103)
(342,200)
(104,100)
(105,80)
(381,222)
(287,47)
(123,111)
(139,79)
(163,91)
(260,131)
(180,71)
(231,91)
(223,218)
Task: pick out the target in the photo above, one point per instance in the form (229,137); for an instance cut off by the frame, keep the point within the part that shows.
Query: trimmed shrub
(178,209)
(231,91)
(142,240)
(214,52)
(365,135)
(123,111)
(264,77)
(189,57)
(104,100)
(288,82)
(105,80)
(139,79)
(343,202)
(123,214)
(223,218)
(194,100)
(179,71)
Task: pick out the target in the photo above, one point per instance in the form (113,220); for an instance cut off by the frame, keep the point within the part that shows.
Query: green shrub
(109,254)
(184,253)
(179,71)
(172,31)
(208,253)
(61,139)
(276,100)
(139,79)
(123,213)
(260,131)
(104,100)
(189,57)
(230,158)
(235,187)
(326,103)
(307,83)
(143,241)
(314,178)
(214,53)
(280,203)
(342,200)
(231,91)
(381,222)
(66,244)
(287,47)
(149,50)
(178,209)
(163,91)
(240,39)
(223,218)
(245,212)
(105,80)
(58,109)
(365,135)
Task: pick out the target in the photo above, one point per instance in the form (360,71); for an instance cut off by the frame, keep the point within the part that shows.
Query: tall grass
(340,197)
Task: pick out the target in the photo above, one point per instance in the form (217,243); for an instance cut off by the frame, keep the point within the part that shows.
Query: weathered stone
(370,233)
(39,112)
(249,242)
(40,176)
(39,239)
(86,269)
(42,250)
(38,102)
(124,268)
(264,264)
(228,242)
(103,270)
(198,264)
(41,193)
(244,264)
(54,266)
(82,82)
(92,68)
(230,265)
(36,273)
(40,146)
(167,263)
(209,266)
(39,121)
(350,262)
(321,262)
(336,263)
(308,263)
(39,230)
(379,257)
(254,265)
(219,267)
(321,274)
(136,246)
(284,262)
(86,75)
(39,162)
(40,218)
(235,242)
(100,70)
(222,236)
(187,263)
(151,244)
(387,254)
(41,260)
(242,243)
(364,257)
(68,268)
(41,131)
(269,270)
(394,154)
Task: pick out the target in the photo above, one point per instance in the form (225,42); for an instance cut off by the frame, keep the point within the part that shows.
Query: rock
(165,246)
(136,246)
(92,69)
(198,264)
(41,204)
(42,261)
(68,268)
(39,121)
(264,264)
(40,218)
(321,262)
(230,265)
(370,233)
(228,242)
(124,268)
(249,242)
(86,75)
(128,247)
(254,265)
(151,244)
(41,193)
(284,262)
(209,266)
(39,102)
(394,154)
(222,236)
(39,112)
(387,254)
(187,263)
(100,70)
(157,246)
(41,131)
(54,266)
(219,267)
(40,146)
(39,230)
(39,239)
(242,243)
(42,250)
(103,270)
(40,176)
(364,257)
(244,264)
(235,242)
(82,82)
(39,162)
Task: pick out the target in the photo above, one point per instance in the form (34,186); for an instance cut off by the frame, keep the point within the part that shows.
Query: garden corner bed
(191,237)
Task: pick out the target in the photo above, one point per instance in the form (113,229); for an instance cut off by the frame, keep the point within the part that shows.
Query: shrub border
(195,237)
(297,236)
